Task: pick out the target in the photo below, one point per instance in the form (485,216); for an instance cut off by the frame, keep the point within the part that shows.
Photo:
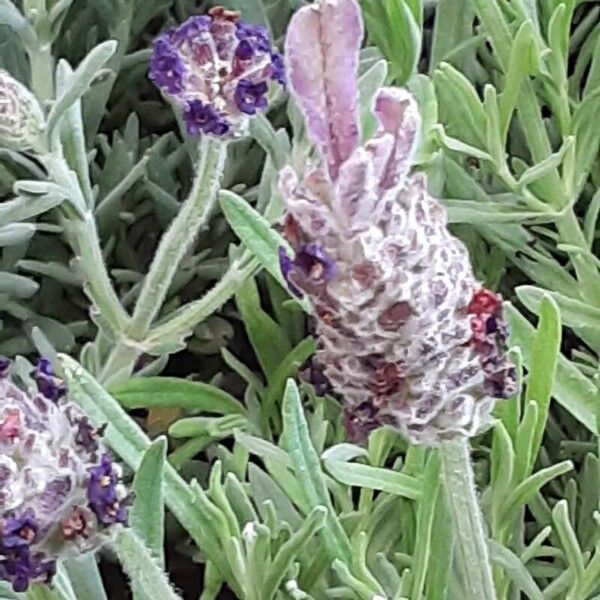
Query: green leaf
(374,478)
(574,313)
(216,427)
(545,350)
(11,16)
(515,569)
(81,80)
(524,61)
(460,107)
(85,578)
(25,207)
(262,448)
(147,513)
(308,471)
(528,488)
(17,285)
(290,549)
(265,489)
(141,567)
(268,339)
(453,19)
(425,523)
(256,234)
(568,538)
(571,388)
(16,233)
(168,392)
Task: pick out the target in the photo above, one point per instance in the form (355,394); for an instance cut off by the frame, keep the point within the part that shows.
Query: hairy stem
(175,243)
(42,72)
(471,541)
(100,289)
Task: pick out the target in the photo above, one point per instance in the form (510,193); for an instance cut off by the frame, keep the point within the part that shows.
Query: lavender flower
(217,69)
(406,334)
(21,117)
(60,493)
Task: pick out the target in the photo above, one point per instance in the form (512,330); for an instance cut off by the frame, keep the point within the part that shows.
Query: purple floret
(278,66)
(21,567)
(166,67)
(203,118)
(251,97)
(18,531)
(49,386)
(102,493)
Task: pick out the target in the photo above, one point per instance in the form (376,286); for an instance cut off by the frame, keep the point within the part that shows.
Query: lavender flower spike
(216,68)
(60,493)
(406,334)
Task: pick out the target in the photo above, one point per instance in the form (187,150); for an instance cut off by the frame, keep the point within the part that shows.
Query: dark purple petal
(251,97)
(20,568)
(189,30)
(50,386)
(278,68)
(203,118)
(18,531)
(244,50)
(166,67)
(315,263)
(102,493)
(256,34)
(4,366)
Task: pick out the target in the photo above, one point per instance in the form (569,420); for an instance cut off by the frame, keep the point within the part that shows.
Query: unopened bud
(21,116)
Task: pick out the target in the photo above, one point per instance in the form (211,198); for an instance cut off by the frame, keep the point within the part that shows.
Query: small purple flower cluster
(59,489)
(217,69)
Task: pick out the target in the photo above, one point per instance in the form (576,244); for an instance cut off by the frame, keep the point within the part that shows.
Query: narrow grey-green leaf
(148,513)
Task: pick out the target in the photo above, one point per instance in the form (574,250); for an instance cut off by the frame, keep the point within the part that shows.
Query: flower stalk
(463,504)
(191,219)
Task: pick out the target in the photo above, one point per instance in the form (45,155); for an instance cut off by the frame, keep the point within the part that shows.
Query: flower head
(406,334)
(60,492)
(217,69)
(21,116)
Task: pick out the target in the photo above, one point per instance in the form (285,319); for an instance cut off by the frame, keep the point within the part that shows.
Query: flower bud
(60,493)
(217,69)
(21,117)
(406,334)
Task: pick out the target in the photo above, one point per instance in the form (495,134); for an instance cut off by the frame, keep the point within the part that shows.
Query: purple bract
(216,68)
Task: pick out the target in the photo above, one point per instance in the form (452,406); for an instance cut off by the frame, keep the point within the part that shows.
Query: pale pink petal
(398,114)
(356,193)
(322,46)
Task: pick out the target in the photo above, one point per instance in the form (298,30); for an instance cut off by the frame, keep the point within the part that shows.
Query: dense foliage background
(510,95)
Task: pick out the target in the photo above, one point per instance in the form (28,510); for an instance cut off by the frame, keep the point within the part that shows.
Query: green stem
(471,546)
(88,246)
(192,218)
(187,317)
(175,243)
(42,72)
